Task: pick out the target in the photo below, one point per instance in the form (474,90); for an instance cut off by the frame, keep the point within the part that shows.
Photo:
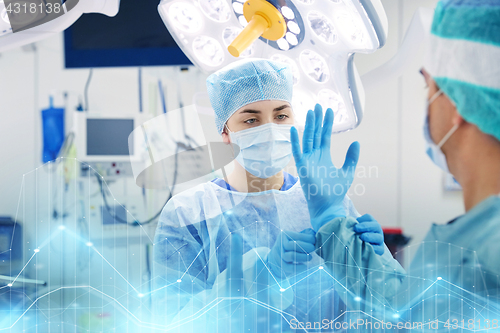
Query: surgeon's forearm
(364,279)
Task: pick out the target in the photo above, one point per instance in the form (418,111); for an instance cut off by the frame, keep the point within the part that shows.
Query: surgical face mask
(264,150)
(434,151)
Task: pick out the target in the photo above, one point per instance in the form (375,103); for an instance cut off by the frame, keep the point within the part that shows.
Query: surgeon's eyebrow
(249,111)
(279,108)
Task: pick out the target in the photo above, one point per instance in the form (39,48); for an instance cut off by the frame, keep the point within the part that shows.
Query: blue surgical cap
(464,59)
(247,81)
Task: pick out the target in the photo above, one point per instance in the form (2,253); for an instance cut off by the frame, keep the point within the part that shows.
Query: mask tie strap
(229,131)
(447,136)
(435,96)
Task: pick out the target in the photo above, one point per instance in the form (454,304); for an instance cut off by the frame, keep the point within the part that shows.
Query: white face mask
(434,151)
(264,150)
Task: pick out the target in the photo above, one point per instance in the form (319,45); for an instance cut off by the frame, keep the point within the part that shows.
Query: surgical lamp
(27,21)
(317,38)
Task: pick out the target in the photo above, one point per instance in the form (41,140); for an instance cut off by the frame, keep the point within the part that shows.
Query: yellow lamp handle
(255,28)
(263,20)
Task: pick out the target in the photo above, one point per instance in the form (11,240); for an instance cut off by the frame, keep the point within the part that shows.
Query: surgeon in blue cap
(260,203)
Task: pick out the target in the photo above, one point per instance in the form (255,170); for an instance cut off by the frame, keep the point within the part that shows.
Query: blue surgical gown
(454,276)
(192,246)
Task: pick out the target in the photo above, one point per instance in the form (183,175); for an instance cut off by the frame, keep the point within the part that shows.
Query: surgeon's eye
(282,117)
(250,121)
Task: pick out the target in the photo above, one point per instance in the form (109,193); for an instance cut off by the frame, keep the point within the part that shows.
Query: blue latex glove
(371,232)
(324,185)
(290,251)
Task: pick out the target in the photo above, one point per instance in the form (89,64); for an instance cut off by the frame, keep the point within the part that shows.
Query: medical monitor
(136,36)
(109,137)
(10,246)
(105,138)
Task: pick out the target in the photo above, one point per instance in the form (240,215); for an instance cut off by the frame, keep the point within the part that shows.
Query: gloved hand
(324,185)
(290,251)
(371,232)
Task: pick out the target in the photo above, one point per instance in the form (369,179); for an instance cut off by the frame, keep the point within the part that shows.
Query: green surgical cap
(464,59)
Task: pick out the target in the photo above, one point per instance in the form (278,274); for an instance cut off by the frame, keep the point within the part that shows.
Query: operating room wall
(28,76)
(396,183)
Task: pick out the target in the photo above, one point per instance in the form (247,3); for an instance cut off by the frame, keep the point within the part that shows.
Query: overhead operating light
(5,27)
(317,38)
(27,21)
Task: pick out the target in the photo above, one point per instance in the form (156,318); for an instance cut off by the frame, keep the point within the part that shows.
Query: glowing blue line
(192,262)
(151,325)
(17,212)
(115,270)
(23,268)
(166,286)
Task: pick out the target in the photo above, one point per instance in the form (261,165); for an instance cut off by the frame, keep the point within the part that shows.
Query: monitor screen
(109,137)
(4,240)
(136,36)
(10,242)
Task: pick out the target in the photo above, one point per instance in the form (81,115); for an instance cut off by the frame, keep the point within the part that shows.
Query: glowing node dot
(179,280)
(37,250)
(395,315)
(440,278)
(89,244)
(282,289)
(9,285)
(61,227)
(141,295)
(320,267)
(357,298)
